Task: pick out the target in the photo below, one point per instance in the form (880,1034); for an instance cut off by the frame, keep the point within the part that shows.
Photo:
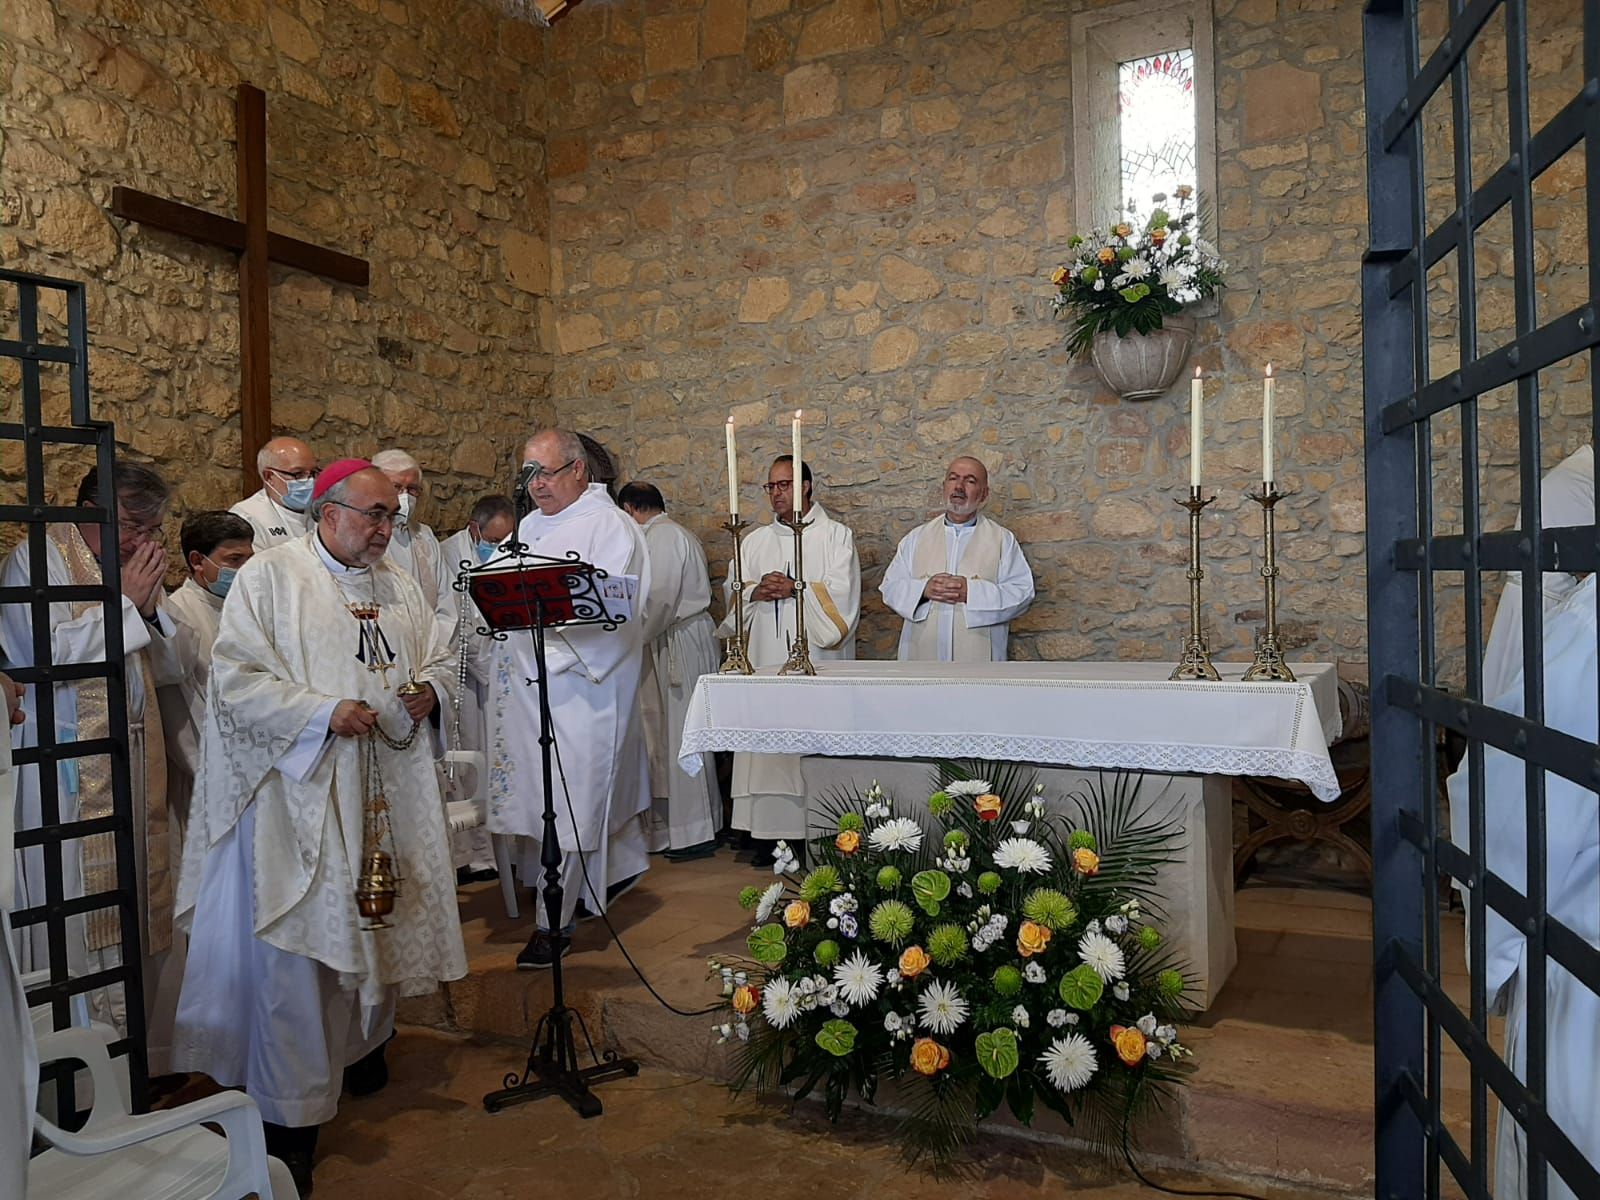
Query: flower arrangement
(1129,278)
(983,952)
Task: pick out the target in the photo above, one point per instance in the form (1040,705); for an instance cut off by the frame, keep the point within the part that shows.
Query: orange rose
(1158,236)
(1123,230)
(1107,256)
(1059,277)
(1085,861)
(797,915)
(928,1057)
(1130,1044)
(1032,938)
(847,842)
(988,806)
(746,999)
(914,961)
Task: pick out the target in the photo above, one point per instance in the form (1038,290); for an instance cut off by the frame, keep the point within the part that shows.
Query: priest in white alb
(594,699)
(680,646)
(768,793)
(414,547)
(959,580)
(329,677)
(77,634)
(277,510)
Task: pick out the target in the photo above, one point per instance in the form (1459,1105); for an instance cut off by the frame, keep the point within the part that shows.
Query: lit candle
(798,487)
(1196,434)
(733,474)
(1266,430)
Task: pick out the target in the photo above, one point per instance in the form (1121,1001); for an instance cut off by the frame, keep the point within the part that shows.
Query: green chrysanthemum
(749,897)
(820,883)
(1170,983)
(947,944)
(826,953)
(891,922)
(1149,937)
(989,883)
(1007,980)
(889,878)
(940,803)
(851,823)
(1082,839)
(1048,907)
(955,839)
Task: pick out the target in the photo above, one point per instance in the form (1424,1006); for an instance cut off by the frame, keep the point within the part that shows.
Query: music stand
(519,590)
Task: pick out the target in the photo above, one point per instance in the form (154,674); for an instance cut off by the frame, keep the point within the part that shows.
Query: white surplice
(768,792)
(681,646)
(594,699)
(1572,882)
(19,1056)
(459,618)
(415,548)
(999,589)
(273,523)
(150,650)
(197,614)
(284,987)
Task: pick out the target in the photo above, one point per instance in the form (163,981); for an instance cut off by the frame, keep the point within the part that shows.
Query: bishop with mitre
(328,675)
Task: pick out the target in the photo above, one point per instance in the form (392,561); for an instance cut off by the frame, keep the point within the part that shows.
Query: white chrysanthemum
(941,1008)
(1103,956)
(858,979)
(780,1004)
(1070,1062)
(1136,268)
(898,833)
(968,787)
(768,903)
(1022,854)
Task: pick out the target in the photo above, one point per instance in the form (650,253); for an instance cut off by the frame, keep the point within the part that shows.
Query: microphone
(520,499)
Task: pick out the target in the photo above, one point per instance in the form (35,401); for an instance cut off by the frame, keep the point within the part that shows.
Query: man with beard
(959,580)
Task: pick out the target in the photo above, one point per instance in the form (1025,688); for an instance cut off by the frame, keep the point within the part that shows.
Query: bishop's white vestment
(999,589)
(284,986)
(680,646)
(1572,882)
(594,699)
(768,792)
(77,635)
(272,522)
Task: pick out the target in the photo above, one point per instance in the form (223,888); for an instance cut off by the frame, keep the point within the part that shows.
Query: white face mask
(408,504)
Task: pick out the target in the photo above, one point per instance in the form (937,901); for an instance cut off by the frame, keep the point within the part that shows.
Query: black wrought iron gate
(46,429)
(1437,194)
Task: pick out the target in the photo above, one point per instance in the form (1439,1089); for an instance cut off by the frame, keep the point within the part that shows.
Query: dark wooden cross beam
(256,246)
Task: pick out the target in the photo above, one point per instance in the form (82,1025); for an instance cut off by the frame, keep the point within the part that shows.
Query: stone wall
(406,131)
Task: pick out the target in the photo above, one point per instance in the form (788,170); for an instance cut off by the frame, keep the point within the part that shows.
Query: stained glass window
(1156,102)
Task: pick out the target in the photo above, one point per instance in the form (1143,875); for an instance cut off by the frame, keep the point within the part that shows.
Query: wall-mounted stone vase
(1143,366)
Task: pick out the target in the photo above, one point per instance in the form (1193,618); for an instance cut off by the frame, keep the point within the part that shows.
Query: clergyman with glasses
(277,512)
(768,794)
(78,635)
(330,679)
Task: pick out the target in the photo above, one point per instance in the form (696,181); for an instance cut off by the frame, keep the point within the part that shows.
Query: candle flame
(797,414)
(1197,372)
(1269,370)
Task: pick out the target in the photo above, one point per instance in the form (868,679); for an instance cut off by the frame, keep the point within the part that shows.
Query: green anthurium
(997,1052)
(928,888)
(767,945)
(1081,988)
(838,1038)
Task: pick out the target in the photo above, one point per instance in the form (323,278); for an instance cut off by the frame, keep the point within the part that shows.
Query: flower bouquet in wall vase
(1127,289)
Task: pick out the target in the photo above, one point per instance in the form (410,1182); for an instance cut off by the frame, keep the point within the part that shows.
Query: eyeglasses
(134,529)
(782,485)
(540,471)
(297,476)
(376,517)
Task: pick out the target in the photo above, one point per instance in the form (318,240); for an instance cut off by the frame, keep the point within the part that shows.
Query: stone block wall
(410,132)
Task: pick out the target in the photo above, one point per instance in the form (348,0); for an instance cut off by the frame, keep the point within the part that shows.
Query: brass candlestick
(736,659)
(800,649)
(1195,663)
(1268,663)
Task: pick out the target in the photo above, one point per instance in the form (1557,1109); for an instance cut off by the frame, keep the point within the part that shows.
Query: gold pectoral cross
(372,648)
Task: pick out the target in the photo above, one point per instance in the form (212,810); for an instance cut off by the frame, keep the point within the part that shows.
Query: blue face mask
(225,578)
(486,550)
(297,496)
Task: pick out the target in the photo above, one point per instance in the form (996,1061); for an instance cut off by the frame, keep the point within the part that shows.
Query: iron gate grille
(38,310)
(1408,401)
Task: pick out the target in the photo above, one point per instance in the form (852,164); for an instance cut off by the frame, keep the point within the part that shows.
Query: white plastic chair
(165,1155)
(465,814)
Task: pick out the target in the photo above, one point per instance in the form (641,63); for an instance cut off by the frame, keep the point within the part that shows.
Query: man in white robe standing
(680,646)
(491,522)
(960,580)
(768,793)
(318,751)
(414,547)
(19,1056)
(277,512)
(78,635)
(603,792)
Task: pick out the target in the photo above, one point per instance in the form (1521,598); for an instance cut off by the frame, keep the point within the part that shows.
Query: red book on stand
(507,596)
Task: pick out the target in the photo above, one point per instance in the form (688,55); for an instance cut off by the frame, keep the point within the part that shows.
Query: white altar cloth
(1110,715)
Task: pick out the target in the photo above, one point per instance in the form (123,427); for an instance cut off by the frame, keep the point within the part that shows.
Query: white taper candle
(1266,431)
(797,489)
(733,473)
(1196,429)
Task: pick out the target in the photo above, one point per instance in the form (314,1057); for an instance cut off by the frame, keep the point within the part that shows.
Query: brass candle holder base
(736,657)
(1268,663)
(799,662)
(1195,661)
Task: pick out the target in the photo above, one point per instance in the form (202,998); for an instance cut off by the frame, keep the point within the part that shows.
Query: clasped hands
(355,718)
(774,585)
(143,577)
(945,589)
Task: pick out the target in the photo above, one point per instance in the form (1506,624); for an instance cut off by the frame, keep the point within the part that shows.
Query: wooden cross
(256,246)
